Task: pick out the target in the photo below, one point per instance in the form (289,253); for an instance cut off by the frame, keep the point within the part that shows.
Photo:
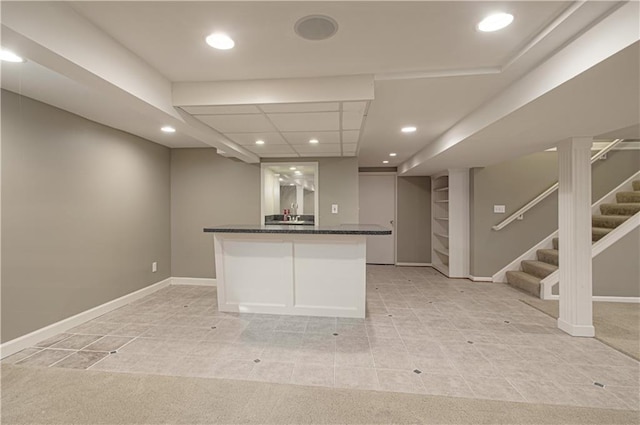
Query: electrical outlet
(334,208)
(154,267)
(499,209)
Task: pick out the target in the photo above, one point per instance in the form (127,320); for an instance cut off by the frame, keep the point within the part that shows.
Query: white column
(574,228)
(459,222)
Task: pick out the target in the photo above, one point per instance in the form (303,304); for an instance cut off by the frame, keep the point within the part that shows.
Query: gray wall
(207,190)
(516,182)
(85,211)
(616,271)
(413,227)
(337,184)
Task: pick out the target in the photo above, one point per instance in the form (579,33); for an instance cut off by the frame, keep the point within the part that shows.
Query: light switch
(499,209)
(334,208)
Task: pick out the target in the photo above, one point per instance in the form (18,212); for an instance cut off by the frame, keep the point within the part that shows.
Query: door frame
(395,206)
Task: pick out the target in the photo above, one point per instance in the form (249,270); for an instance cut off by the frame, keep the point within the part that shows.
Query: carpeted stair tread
(636,185)
(598,233)
(538,269)
(525,282)
(628,197)
(620,209)
(609,221)
(549,256)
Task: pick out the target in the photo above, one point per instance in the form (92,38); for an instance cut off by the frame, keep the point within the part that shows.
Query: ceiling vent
(316,27)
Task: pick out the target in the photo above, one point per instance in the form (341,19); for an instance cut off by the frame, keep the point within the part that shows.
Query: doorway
(378,206)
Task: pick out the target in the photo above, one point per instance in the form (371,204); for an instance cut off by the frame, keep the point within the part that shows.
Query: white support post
(574,228)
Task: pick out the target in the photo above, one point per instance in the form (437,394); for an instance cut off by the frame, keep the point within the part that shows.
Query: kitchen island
(294,270)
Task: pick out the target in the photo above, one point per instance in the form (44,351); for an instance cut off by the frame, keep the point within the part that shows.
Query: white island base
(292,274)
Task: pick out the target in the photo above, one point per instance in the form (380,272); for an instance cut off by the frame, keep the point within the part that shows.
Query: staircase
(612,215)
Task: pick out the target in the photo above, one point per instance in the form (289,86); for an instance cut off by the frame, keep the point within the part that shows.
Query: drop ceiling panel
(312,121)
(238,123)
(301,107)
(272,138)
(312,149)
(354,106)
(352,120)
(260,149)
(303,137)
(349,149)
(313,155)
(350,136)
(222,110)
(279,155)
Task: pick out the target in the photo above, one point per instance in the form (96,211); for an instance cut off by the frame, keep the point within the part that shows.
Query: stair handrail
(513,217)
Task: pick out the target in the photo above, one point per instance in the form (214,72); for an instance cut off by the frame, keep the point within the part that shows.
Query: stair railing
(513,217)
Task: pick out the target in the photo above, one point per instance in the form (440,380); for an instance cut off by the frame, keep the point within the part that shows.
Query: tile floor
(423,334)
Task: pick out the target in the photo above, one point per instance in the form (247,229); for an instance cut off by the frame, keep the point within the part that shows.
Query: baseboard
(616,299)
(195,281)
(587,331)
(413,264)
(600,298)
(32,338)
(480,279)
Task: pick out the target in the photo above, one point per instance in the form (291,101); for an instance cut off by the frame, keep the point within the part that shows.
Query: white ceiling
(428,67)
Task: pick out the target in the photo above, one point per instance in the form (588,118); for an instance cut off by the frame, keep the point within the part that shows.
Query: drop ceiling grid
(211,116)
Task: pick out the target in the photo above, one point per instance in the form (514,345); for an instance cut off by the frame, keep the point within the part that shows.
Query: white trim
(607,299)
(32,338)
(597,248)
(603,299)
(530,254)
(615,235)
(403,264)
(193,281)
(377,173)
(480,279)
(577,330)
(610,198)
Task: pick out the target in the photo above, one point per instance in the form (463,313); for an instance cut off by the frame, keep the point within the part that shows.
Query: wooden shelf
(442,189)
(441,252)
(442,218)
(444,201)
(440,235)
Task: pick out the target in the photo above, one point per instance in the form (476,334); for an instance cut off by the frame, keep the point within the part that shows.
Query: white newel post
(574,228)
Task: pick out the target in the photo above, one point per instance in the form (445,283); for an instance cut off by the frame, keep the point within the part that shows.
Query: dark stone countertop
(345,229)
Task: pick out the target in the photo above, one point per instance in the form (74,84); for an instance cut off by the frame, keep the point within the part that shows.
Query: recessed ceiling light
(220,41)
(313,141)
(281,179)
(168,129)
(393,154)
(298,172)
(409,129)
(495,22)
(385,162)
(291,184)
(292,168)
(259,142)
(8,56)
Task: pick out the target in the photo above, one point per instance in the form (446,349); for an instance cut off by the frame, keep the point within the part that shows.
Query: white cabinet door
(378,206)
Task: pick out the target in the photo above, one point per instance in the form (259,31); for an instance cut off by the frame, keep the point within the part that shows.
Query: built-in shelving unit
(440,223)
(450,222)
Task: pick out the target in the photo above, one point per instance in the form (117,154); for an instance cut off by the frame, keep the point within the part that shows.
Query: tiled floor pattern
(423,334)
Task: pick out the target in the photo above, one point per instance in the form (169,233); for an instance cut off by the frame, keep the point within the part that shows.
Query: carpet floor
(61,396)
(617,324)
